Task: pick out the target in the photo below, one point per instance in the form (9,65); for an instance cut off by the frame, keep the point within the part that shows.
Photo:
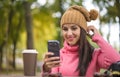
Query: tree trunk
(1,57)
(15,40)
(14,53)
(58,22)
(1,54)
(119,33)
(10,15)
(28,20)
(117,3)
(108,35)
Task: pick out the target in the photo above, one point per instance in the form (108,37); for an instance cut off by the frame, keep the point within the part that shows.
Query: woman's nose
(69,32)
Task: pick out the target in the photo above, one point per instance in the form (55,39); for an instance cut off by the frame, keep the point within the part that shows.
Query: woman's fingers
(52,62)
(51,59)
(48,54)
(90,28)
(93,29)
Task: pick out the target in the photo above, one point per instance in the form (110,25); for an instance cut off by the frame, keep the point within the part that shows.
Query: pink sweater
(102,58)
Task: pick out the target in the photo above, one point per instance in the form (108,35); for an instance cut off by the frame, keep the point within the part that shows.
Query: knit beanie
(78,15)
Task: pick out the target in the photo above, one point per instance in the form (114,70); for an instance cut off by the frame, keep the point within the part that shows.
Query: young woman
(78,57)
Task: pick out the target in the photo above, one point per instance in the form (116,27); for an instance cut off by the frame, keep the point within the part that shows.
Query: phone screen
(54,46)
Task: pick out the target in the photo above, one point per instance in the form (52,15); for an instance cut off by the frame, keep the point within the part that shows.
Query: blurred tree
(9,32)
(16,28)
(11,26)
(113,12)
(57,9)
(29,27)
(3,29)
(44,28)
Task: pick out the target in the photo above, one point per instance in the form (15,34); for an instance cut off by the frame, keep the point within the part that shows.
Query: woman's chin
(71,43)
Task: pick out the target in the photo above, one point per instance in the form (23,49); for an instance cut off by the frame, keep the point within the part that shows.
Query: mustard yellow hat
(78,15)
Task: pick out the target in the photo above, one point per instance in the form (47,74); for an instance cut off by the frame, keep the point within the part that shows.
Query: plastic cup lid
(30,51)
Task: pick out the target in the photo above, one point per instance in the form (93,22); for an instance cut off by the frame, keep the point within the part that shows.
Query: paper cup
(29,60)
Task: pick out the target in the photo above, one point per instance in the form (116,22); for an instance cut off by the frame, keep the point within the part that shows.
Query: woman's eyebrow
(74,26)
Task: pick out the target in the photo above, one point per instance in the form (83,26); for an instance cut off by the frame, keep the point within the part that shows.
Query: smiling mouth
(70,39)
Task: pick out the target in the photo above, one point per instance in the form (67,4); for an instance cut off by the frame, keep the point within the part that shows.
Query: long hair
(85,53)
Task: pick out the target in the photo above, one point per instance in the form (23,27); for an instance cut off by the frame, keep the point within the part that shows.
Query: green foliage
(44,29)
(3,22)
(112,12)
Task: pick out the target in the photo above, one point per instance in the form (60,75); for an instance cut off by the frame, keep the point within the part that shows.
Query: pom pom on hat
(93,14)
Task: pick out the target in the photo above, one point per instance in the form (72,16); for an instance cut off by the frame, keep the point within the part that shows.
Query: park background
(29,24)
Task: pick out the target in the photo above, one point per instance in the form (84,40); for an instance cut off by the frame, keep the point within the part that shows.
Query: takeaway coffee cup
(29,62)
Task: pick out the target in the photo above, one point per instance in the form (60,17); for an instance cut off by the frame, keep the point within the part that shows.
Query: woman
(78,57)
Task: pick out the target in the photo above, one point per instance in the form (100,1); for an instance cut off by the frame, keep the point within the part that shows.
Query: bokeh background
(29,24)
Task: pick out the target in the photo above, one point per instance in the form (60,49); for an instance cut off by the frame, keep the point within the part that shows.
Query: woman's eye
(74,28)
(65,29)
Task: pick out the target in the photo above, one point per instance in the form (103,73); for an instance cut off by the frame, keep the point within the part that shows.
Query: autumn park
(29,24)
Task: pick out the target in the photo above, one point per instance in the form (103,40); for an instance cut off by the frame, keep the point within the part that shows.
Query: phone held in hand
(54,46)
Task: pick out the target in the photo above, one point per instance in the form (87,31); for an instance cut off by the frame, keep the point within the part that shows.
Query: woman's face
(71,33)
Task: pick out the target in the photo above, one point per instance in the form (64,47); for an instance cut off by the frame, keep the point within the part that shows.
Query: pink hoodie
(102,58)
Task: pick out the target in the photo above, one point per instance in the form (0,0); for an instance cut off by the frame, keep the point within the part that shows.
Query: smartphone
(54,46)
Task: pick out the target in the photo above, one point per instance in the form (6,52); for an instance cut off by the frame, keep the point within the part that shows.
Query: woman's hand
(93,29)
(50,62)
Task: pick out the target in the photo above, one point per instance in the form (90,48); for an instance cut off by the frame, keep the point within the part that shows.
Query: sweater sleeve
(55,70)
(108,54)
(46,74)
